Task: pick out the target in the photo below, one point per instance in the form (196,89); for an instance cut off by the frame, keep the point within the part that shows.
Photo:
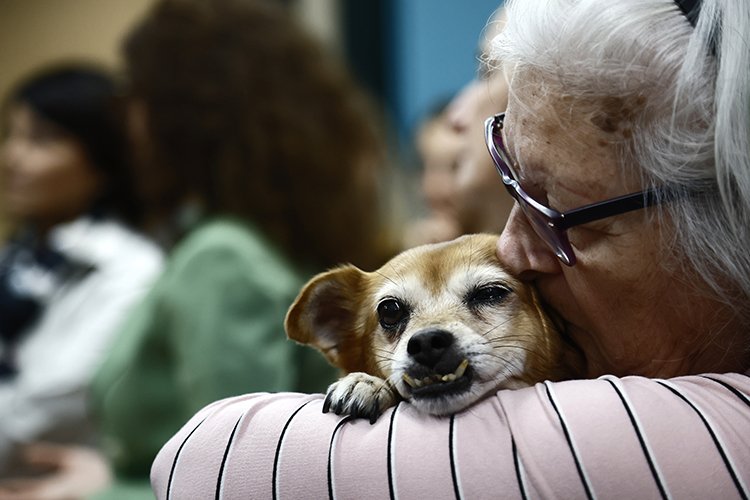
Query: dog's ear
(324,315)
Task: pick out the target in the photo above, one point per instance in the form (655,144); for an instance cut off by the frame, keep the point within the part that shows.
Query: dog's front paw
(361,396)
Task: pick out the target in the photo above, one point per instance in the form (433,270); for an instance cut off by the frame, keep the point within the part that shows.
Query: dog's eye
(488,295)
(390,313)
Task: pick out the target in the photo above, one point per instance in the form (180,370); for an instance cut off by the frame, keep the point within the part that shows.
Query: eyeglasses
(551,225)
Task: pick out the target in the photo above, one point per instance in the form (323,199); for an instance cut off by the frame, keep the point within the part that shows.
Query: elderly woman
(625,145)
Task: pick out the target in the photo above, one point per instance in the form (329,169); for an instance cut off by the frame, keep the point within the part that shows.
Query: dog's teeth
(450,377)
(461,368)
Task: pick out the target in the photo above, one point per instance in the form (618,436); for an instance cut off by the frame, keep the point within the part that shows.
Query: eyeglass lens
(543,225)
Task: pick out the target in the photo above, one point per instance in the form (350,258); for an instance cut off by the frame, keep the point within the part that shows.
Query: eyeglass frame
(556,224)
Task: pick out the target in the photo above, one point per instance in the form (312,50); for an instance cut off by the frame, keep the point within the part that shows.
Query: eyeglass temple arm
(617,206)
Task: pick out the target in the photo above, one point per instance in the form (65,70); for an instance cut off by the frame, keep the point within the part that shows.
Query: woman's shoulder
(607,437)
(224,236)
(236,246)
(217,233)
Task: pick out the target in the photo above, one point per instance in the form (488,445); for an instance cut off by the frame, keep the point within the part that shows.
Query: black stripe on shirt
(733,390)
(330,455)
(642,441)
(389,458)
(224,459)
(569,439)
(278,449)
(715,439)
(452,454)
(517,464)
(176,456)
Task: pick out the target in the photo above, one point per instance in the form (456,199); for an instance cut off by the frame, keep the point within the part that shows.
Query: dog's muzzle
(438,367)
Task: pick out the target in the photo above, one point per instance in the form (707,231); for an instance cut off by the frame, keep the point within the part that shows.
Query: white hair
(691,89)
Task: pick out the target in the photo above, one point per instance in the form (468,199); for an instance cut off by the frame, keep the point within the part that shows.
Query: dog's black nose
(427,347)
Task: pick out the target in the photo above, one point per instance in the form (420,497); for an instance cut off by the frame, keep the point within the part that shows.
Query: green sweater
(212,327)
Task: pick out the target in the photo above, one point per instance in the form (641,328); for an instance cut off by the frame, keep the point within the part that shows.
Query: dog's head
(446,324)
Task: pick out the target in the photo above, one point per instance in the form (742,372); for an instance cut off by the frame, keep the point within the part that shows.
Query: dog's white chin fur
(446,405)
(450,403)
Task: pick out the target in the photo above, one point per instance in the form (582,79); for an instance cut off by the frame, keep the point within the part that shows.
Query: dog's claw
(374,417)
(361,411)
(360,396)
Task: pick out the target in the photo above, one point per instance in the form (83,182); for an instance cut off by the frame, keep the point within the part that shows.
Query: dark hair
(78,99)
(246,109)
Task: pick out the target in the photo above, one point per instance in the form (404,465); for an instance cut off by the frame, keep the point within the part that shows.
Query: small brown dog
(441,325)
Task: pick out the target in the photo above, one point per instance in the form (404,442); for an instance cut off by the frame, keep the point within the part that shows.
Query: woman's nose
(522,251)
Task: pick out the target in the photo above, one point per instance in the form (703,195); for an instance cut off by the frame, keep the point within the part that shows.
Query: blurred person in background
(459,182)
(477,206)
(259,164)
(437,145)
(73,267)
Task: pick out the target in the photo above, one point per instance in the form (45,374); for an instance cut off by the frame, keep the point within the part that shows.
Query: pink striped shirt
(633,437)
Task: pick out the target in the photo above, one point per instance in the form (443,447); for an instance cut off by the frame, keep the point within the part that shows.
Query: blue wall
(430,53)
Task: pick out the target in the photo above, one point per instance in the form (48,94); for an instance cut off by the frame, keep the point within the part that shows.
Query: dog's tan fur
(493,321)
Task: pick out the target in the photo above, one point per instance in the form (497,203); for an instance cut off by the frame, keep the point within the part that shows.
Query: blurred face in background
(438,146)
(481,202)
(47,177)
(460,183)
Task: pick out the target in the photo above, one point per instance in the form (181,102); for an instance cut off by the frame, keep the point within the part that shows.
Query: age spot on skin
(615,110)
(605,123)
